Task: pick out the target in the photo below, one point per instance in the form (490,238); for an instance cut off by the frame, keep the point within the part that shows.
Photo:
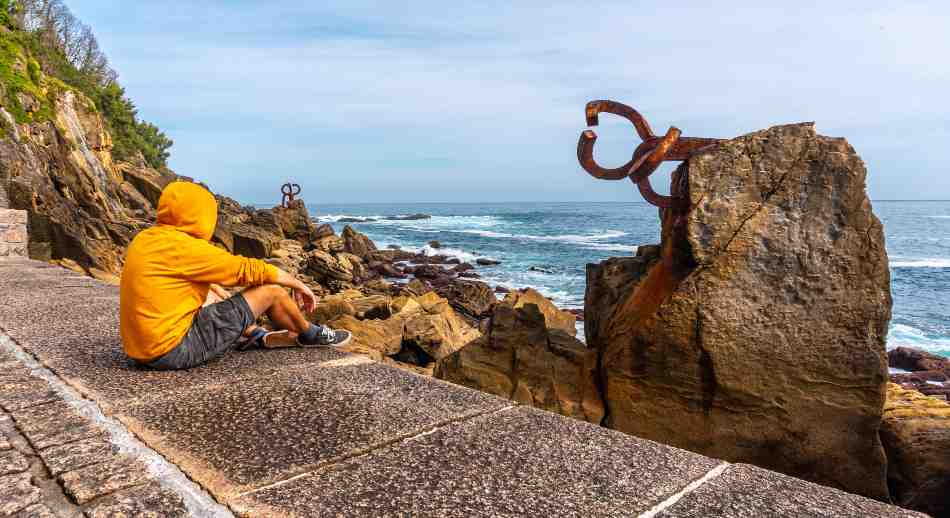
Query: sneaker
(329,338)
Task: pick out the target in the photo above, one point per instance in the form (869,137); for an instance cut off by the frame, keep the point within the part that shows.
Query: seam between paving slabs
(200,504)
(362,452)
(689,488)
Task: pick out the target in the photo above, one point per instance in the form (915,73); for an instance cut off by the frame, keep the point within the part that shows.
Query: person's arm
(302,293)
(219,292)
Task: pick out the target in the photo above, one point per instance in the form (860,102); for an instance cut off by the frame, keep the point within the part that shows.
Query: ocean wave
(567,238)
(920,263)
(431,224)
(461,255)
(908,336)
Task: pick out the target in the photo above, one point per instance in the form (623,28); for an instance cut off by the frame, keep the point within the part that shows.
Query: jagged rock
(331,243)
(330,308)
(472,298)
(375,338)
(61,172)
(322,230)
(554,318)
(429,271)
(758,335)
(150,182)
(374,306)
(252,241)
(915,432)
(436,330)
(324,265)
(910,359)
(417,287)
(294,221)
(356,243)
(525,358)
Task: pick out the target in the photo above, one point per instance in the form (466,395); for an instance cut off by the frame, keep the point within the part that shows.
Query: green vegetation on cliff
(44,49)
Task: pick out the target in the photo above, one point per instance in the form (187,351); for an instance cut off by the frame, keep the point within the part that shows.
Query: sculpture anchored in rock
(646,158)
(290,192)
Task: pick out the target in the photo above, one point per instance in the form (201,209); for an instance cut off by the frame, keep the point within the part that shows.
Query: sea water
(547,245)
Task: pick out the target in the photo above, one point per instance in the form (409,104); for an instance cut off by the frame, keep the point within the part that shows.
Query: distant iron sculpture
(646,158)
(290,191)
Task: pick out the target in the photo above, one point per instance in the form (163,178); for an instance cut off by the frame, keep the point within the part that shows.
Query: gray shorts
(215,330)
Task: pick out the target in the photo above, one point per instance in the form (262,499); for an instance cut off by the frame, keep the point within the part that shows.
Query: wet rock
(428,271)
(483,261)
(435,244)
(731,342)
(915,432)
(910,359)
(356,243)
(502,289)
(526,358)
(410,217)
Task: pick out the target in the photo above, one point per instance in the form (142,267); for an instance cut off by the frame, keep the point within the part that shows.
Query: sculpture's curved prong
(594,108)
(585,155)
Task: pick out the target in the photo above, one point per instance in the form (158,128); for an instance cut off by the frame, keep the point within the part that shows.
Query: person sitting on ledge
(169,270)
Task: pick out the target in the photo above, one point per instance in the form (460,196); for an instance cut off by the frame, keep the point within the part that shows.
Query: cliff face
(60,170)
(755,332)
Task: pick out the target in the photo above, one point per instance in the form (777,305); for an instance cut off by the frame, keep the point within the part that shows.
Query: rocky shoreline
(754,332)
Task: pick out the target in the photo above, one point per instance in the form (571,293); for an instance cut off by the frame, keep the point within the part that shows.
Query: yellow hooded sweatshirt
(168,269)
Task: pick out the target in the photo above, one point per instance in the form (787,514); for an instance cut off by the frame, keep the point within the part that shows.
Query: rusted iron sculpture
(646,158)
(290,191)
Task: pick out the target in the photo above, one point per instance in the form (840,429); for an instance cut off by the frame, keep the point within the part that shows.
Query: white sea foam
(909,336)
(920,263)
(566,238)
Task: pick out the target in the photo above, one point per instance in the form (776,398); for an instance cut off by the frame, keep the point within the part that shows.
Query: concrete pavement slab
(516,462)
(744,491)
(16,493)
(85,484)
(54,424)
(75,455)
(142,501)
(235,437)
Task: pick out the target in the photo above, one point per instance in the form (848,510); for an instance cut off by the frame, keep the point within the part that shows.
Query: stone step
(13,233)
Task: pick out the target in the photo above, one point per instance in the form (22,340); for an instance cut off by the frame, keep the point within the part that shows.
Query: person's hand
(305,298)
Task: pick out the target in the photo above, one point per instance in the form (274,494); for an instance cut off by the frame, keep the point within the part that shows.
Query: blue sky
(429,101)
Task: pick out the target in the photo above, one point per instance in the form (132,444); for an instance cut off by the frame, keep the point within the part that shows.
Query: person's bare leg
(280,308)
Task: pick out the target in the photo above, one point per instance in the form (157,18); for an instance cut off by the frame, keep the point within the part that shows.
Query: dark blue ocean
(547,245)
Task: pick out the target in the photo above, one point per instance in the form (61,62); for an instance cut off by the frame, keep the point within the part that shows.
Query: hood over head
(189,208)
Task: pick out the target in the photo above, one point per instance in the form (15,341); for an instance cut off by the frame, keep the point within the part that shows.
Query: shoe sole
(329,346)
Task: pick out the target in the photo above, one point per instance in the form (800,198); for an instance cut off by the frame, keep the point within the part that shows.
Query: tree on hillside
(67,49)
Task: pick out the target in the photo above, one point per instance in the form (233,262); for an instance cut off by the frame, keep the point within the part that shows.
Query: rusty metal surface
(648,156)
(290,192)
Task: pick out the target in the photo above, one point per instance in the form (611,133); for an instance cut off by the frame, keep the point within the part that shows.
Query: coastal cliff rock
(928,373)
(755,332)
(916,436)
(60,171)
(529,355)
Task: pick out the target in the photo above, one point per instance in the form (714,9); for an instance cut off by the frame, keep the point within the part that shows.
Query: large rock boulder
(756,332)
(357,243)
(916,436)
(474,299)
(530,358)
(294,221)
